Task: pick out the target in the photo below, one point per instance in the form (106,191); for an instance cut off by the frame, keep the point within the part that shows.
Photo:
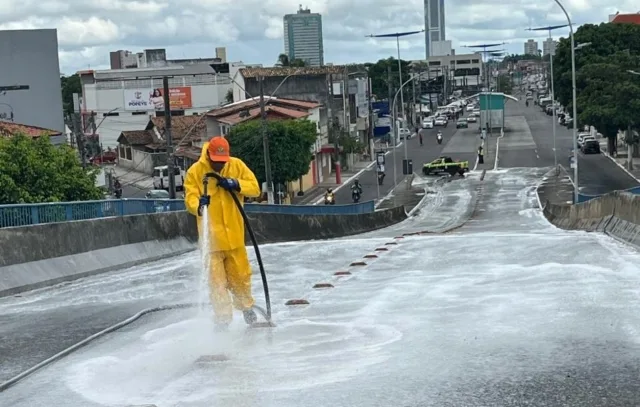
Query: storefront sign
(153,99)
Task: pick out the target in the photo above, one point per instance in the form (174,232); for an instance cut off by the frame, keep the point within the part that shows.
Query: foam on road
(506,310)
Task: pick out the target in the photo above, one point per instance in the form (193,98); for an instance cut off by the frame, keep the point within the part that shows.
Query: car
(472,119)
(428,122)
(462,124)
(470,108)
(159,197)
(441,121)
(405,134)
(590,147)
(476,112)
(445,164)
(157,194)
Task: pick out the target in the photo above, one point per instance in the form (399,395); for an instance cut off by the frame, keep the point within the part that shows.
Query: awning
(329,148)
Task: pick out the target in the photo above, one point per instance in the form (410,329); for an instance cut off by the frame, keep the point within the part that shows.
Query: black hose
(263,274)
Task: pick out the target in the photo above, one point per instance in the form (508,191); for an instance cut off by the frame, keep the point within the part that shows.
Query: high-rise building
(549,47)
(433,24)
(303,37)
(531,47)
(221,54)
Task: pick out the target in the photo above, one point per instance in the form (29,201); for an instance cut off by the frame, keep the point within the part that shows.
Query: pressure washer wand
(254,241)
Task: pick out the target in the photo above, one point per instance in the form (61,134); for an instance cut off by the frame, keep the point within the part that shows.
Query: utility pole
(167,133)
(78,130)
(265,144)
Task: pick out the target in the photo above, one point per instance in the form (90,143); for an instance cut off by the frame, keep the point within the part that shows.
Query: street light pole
(553,93)
(574,102)
(395,167)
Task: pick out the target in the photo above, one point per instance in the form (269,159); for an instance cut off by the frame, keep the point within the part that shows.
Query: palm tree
(283,60)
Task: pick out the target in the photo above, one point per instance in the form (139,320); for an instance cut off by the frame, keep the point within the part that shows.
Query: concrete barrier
(45,254)
(616,214)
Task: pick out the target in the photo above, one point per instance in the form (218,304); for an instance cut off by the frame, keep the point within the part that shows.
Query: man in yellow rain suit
(230,269)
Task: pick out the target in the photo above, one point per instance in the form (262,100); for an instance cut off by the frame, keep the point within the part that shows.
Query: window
(138,113)
(463,62)
(434,63)
(110,114)
(124,152)
(475,61)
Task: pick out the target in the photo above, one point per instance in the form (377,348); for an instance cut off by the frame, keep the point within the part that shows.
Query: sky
(251,30)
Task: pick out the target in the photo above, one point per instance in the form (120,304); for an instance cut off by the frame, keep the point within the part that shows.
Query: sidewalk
(404,194)
(132,178)
(490,156)
(622,162)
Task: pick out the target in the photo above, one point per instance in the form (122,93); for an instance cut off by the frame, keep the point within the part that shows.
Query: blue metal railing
(585,197)
(352,209)
(33,214)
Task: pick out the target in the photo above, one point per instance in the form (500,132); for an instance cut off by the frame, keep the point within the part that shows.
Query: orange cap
(218,149)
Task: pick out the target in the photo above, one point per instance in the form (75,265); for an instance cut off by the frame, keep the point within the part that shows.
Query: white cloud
(252,29)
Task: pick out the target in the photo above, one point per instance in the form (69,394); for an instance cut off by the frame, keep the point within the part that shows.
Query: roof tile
(9,129)
(181,126)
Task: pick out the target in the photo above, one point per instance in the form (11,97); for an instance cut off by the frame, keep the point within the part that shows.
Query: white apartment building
(461,70)
(303,37)
(125,99)
(549,47)
(531,47)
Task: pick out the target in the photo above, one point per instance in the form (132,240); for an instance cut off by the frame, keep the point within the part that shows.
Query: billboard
(153,99)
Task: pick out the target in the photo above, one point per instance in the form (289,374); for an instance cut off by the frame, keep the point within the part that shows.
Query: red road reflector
(342,273)
(323,285)
(357,263)
(371,256)
(381,249)
(297,302)
(399,237)
(390,243)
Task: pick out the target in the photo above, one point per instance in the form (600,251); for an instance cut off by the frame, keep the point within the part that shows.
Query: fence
(585,198)
(32,214)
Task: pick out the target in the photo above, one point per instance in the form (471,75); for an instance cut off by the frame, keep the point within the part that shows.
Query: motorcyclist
(356,188)
(439,137)
(230,271)
(329,196)
(117,189)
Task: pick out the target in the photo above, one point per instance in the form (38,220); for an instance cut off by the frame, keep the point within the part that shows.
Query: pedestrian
(230,271)
(420,136)
(480,155)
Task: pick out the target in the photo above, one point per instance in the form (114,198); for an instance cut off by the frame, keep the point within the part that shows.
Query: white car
(405,134)
(441,121)
(470,108)
(472,119)
(428,123)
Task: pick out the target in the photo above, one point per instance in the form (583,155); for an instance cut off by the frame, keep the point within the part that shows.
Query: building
(125,99)
(549,47)
(30,89)
(531,47)
(303,37)
(441,48)
(142,150)
(460,71)
(221,120)
(434,24)
(155,58)
(221,54)
(625,18)
(10,129)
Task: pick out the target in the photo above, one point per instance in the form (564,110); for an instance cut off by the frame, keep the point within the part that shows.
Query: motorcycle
(439,138)
(355,195)
(329,199)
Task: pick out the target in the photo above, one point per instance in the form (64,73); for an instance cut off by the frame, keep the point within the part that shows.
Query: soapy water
(205,263)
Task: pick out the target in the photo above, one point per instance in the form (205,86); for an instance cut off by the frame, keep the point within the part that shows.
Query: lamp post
(553,93)
(395,132)
(633,72)
(10,117)
(397,37)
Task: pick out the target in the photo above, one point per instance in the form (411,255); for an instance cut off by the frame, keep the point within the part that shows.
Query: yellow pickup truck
(445,164)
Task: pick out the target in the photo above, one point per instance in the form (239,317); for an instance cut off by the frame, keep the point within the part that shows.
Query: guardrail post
(35,215)
(68,212)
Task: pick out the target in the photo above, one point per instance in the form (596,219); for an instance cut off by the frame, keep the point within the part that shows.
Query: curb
(629,173)
(495,165)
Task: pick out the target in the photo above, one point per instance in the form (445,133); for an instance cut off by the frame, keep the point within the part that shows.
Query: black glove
(230,184)
(205,200)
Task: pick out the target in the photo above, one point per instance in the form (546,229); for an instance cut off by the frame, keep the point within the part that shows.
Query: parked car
(405,134)
(590,147)
(462,124)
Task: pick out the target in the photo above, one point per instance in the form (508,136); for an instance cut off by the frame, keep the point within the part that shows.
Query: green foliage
(229,96)
(70,85)
(290,144)
(347,143)
(379,74)
(283,60)
(504,84)
(34,171)
(608,96)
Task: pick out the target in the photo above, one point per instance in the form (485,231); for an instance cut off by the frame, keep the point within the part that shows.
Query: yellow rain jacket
(226,226)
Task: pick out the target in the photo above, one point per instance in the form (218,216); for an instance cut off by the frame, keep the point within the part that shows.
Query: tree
(608,97)
(346,142)
(70,85)
(290,145)
(283,60)
(380,79)
(34,171)
(505,84)
(229,96)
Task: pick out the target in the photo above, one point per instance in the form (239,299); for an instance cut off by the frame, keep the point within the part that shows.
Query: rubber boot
(250,316)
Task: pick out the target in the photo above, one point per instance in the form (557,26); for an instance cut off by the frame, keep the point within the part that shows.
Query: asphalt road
(532,146)
(456,144)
